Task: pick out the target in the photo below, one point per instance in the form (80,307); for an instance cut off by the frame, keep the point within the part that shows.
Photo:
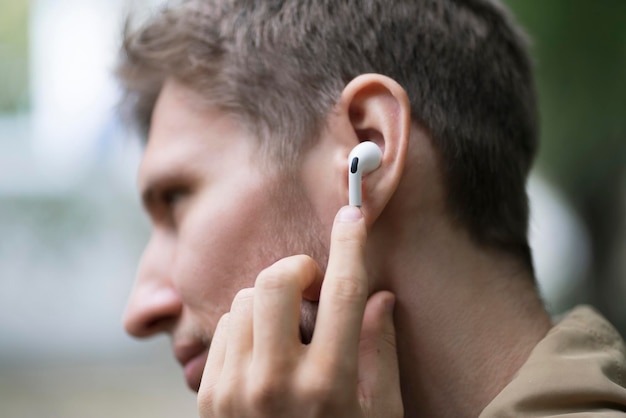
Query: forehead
(188,134)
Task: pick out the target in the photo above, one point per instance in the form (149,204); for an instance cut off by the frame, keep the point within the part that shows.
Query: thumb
(379,378)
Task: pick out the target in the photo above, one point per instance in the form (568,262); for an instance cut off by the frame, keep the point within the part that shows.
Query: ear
(376,108)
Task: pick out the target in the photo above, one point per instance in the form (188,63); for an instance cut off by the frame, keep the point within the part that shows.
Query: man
(251,109)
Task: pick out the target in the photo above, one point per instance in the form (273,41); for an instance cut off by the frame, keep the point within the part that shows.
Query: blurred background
(71,228)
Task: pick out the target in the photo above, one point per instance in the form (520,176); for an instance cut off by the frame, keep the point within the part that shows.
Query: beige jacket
(578,370)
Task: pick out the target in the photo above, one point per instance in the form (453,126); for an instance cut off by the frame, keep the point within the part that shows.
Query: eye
(172,197)
(171,201)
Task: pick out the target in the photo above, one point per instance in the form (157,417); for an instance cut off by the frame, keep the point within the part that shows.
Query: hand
(258,366)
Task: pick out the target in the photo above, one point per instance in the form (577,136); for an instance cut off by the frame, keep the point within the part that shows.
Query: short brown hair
(282,66)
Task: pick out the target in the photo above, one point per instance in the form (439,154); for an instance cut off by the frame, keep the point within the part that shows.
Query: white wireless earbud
(364,158)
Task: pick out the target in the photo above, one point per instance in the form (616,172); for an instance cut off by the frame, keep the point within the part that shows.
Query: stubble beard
(301,232)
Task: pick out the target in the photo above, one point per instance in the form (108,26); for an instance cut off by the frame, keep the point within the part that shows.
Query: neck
(466,320)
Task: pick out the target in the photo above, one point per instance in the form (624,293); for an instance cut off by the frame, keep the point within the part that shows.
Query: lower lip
(193,371)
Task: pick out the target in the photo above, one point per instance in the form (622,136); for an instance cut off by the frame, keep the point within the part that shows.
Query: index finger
(344,292)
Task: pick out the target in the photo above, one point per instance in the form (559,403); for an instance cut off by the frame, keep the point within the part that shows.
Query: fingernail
(349,214)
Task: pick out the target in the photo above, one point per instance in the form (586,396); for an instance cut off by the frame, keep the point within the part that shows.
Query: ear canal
(364,158)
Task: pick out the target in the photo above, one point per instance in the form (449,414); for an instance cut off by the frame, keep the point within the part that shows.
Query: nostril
(151,311)
(159,325)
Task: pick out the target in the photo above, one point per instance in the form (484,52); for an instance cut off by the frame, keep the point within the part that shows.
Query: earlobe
(378,110)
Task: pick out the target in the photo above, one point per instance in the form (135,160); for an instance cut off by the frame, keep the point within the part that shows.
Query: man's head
(281,66)
(258,102)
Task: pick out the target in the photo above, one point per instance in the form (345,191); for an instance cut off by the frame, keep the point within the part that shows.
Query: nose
(154,305)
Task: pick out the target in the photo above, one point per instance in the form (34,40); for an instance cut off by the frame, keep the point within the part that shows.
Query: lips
(193,359)
(194,369)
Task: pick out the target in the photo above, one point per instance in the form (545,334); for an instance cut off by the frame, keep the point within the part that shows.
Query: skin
(203,213)
(244,376)
(459,332)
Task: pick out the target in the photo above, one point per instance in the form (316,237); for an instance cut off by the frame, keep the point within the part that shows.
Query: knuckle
(244,294)
(320,389)
(351,237)
(388,339)
(284,273)
(272,278)
(242,299)
(347,287)
(304,263)
(266,395)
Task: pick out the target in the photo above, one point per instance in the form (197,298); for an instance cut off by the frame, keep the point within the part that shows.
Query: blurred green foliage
(579,48)
(14,55)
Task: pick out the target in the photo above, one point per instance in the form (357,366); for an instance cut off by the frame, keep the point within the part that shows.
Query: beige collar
(578,368)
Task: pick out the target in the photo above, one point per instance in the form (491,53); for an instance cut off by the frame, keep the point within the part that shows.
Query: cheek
(222,247)
(228,238)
